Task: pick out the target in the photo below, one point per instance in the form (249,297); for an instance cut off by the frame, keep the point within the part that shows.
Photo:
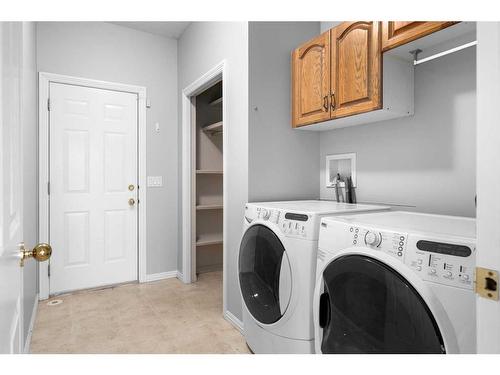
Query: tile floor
(160,317)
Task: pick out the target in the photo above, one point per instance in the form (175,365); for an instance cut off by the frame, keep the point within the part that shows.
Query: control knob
(372,239)
(266,214)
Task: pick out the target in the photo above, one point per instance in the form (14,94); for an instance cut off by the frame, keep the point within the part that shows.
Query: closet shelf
(209,239)
(208,171)
(202,207)
(213,129)
(216,101)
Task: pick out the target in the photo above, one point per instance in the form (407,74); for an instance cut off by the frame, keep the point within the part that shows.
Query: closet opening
(204,183)
(207,178)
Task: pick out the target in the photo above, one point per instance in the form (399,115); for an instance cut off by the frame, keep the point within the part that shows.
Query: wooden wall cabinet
(311,81)
(337,74)
(397,33)
(355,68)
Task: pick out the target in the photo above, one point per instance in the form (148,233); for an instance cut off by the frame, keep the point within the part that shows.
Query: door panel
(356,68)
(262,259)
(397,33)
(310,80)
(93,160)
(367,307)
(11,188)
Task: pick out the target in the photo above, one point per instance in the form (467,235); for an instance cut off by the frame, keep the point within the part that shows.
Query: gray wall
(283,163)
(114,53)
(29,115)
(202,46)
(428,160)
(327,25)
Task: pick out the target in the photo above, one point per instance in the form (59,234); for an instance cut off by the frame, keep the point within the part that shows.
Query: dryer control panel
(443,259)
(393,243)
(439,260)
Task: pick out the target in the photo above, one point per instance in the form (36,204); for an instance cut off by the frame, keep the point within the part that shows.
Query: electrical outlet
(155,181)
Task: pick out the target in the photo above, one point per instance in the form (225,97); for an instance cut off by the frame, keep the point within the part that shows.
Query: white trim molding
(44,80)
(27,343)
(160,276)
(238,324)
(214,75)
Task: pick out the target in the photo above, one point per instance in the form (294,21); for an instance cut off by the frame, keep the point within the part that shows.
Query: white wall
(283,162)
(488,178)
(428,160)
(29,116)
(114,53)
(202,46)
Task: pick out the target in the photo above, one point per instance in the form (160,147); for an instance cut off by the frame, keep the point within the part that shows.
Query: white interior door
(11,189)
(93,175)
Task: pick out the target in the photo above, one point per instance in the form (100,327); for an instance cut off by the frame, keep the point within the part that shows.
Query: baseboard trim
(27,344)
(160,276)
(180,276)
(238,324)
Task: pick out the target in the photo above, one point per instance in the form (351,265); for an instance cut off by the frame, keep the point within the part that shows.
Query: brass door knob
(40,252)
(131,201)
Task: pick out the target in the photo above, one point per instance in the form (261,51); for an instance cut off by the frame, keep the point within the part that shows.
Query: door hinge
(48,104)
(48,270)
(487,283)
(48,188)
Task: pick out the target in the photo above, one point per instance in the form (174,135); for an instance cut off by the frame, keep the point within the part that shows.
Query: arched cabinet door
(311,81)
(397,33)
(356,69)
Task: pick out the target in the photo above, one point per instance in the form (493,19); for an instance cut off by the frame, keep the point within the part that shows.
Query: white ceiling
(168,29)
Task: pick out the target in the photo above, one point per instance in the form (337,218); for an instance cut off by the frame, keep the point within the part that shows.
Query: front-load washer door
(368,307)
(264,273)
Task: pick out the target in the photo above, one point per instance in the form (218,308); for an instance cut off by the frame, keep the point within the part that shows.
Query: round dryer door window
(265,275)
(368,307)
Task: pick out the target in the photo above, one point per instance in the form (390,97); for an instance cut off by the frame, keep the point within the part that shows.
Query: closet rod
(447,52)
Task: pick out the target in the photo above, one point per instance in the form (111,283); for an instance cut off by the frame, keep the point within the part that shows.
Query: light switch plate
(155,181)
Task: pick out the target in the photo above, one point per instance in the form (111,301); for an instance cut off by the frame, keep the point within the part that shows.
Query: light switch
(157,127)
(155,181)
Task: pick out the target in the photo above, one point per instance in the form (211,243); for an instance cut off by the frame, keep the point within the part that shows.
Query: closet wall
(201,47)
(282,162)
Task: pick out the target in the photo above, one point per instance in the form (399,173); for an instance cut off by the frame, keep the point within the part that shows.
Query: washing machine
(276,266)
(395,282)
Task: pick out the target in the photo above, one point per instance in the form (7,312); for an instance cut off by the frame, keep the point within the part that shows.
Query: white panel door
(488,179)
(11,188)
(93,161)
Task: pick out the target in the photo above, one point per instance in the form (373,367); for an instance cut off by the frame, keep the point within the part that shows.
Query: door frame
(214,75)
(44,80)
(487,178)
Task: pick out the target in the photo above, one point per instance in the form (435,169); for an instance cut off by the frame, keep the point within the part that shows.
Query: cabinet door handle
(325,103)
(332,102)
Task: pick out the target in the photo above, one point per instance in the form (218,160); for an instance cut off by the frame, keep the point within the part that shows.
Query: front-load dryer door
(368,307)
(264,273)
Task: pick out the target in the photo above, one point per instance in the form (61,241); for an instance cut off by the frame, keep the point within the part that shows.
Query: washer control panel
(392,243)
(291,224)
